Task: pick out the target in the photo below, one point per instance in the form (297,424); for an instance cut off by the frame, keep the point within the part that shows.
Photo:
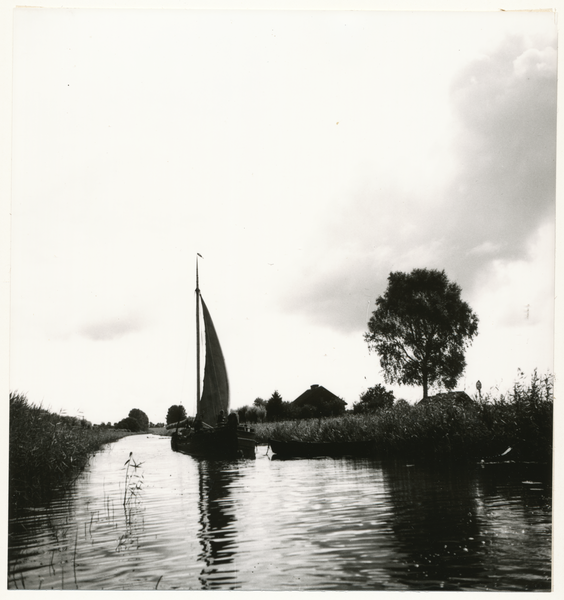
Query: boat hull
(315,449)
(216,443)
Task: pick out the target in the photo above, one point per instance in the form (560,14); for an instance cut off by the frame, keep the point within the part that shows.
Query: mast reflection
(217,534)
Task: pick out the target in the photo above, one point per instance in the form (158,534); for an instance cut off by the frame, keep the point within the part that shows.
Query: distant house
(318,401)
(460,398)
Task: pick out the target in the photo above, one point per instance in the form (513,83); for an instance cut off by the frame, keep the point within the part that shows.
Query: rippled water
(320,524)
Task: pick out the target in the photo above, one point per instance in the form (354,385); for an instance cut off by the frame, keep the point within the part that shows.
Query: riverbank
(521,420)
(46,453)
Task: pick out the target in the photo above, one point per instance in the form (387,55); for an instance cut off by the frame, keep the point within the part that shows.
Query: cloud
(506,106)
(111,329)
(496,190)
(536,62)
(485,248)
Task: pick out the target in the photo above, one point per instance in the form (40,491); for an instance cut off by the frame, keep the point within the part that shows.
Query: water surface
(176,523)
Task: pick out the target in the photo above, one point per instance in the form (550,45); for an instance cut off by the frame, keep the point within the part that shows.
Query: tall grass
(522,420)
(46,454)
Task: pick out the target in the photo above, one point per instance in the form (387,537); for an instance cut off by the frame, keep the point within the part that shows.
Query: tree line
(276,409)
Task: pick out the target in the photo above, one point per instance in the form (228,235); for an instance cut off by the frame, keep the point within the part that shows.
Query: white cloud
(112,329)
(486,248)
(535,62)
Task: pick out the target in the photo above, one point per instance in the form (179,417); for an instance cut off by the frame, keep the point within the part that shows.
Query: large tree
(175,413)
(140,417)
(421,328)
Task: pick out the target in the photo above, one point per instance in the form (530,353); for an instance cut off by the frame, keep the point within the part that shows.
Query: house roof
(453,397)
(316,394)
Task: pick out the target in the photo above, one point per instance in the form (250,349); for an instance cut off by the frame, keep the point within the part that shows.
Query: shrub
(375,398)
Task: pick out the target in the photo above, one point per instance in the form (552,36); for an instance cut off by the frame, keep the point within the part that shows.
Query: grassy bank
(46,454)
(160,431)
(521,420)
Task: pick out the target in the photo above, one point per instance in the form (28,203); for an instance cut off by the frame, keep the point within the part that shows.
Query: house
(459,398)
(318,401)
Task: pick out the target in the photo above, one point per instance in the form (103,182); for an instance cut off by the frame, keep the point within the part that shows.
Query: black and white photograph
(281,287)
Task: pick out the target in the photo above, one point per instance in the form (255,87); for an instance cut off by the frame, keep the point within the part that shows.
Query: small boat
(293,449)
(213,433)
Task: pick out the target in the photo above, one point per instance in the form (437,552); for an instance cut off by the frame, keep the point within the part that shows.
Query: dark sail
(215,395)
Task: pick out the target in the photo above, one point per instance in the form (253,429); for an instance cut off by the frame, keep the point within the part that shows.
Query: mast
(198,395)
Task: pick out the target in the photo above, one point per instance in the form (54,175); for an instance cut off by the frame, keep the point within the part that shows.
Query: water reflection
(133,509)
(346,519)
(516,507)
(436,525)
(287,525)
(217,534)
(37,539)
(451,522)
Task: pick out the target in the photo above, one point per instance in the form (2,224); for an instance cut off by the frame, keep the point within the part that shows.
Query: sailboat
(214,433)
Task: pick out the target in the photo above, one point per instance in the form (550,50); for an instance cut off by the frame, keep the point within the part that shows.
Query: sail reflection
(217,534)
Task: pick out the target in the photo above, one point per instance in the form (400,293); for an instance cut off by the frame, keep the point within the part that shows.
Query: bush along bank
(47,452)
(442,427)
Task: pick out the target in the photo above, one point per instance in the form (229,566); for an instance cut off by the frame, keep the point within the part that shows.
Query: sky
(305,155)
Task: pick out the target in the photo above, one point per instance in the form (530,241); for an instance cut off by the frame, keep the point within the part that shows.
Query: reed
(46,454)
(521,419)
(133,480)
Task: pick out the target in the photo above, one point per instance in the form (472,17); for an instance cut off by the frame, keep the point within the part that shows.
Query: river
(167,521)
